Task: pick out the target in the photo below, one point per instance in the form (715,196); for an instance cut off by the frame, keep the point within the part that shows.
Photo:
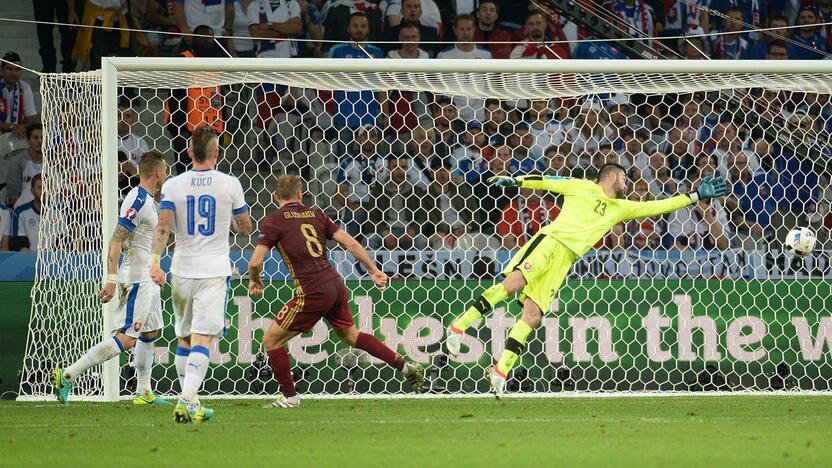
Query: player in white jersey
(139,314)
(202,205)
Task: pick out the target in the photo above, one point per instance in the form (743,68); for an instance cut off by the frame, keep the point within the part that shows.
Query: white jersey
(26,223)
(138,215)
(203,203)
(5,223)
(205,12)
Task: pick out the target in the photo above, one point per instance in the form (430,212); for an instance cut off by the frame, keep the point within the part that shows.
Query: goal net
(397,151)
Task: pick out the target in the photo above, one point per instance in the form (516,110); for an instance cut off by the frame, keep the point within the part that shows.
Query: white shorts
(200,304)
(139,308)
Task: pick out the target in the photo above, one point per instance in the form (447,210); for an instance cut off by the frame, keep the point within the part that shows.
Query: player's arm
(120,234)
(160,242)
(558,184)
(255,269)
(711,187)
(242,223)
(357,251)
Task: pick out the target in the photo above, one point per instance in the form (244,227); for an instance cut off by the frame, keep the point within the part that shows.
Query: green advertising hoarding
(600,335)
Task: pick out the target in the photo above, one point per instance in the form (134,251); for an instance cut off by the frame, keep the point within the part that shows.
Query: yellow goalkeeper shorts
(544,262)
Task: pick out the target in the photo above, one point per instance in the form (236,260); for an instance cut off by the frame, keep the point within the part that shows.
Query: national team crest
(527,266)
(137,326)
(131,213)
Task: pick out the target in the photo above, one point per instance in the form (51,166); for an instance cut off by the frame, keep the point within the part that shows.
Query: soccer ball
(800,242)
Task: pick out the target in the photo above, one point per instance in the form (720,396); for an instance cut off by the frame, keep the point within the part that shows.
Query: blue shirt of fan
(798,178)
(758,198)
(750,9)
(471,170)
(815,48)
(597,51)
(526,166)
(355,108)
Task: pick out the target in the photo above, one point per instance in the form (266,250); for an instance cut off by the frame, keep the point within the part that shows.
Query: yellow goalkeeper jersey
(588,214)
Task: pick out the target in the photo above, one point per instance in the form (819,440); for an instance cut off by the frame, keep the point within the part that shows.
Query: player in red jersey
(300,234)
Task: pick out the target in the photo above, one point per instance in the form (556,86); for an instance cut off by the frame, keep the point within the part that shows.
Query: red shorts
(330,300)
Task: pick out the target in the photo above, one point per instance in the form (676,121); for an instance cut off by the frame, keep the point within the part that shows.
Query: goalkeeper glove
(711,187)
(503,181)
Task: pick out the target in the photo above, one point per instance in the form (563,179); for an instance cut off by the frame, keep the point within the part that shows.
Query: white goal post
(638,292)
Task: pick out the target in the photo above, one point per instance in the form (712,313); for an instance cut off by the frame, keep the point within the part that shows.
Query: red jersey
(300,234)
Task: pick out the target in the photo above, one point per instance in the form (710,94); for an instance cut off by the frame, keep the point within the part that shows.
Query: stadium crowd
(411,167)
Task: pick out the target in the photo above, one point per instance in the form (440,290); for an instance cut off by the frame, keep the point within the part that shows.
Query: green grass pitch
(670,431)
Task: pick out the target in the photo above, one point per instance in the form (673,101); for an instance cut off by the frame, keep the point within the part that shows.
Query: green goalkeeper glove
(503,181)
(711,187)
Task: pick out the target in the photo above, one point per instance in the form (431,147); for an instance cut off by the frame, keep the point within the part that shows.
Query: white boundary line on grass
(510,396)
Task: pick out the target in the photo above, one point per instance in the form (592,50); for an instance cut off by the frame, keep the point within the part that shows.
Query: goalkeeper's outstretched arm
(557,184)
(711,187)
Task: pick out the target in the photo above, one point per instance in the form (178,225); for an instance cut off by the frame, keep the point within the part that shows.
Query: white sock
(144,362)
(102,352)
(181,362)
(195,372)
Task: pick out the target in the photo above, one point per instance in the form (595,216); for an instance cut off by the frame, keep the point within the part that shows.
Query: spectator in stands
(157,19)
(639,16)
(471,158)
(660,177)
(638,233)
(17,102)
(26,220)
(727,142)
(409,36)
(632,156)
(491,199)
(411,10)
(337,14)
(359,171)
(523,217)
(810,45)
(777,50)
(522,162)
(464,48)
(694,48)
(555,159)
(496,124)
(730,45)
(218,15)
(777,24)
(22,173)
(447,124)
(588,132)
(679,151)
(793,157)
(754,13)
(92,44)
(446,202)
(545,129)
(312,19)
(47,11)
(701,225)
(754,198)
(683,16)
(521,142)
(5,229)
(422,156)
(279,21)
(356,108)
(488,33)
(189,108)
(534,47)
(432,15)
(131,146)
(397,202)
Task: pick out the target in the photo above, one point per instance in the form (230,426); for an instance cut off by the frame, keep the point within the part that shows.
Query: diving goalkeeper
(590,209)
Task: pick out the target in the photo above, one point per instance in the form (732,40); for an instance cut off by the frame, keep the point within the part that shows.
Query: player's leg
(63,379)
(411,371)
(545,270)
(274,340)
(515,344)
(514,281)
(183,350)
(145,350)
(205,317)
